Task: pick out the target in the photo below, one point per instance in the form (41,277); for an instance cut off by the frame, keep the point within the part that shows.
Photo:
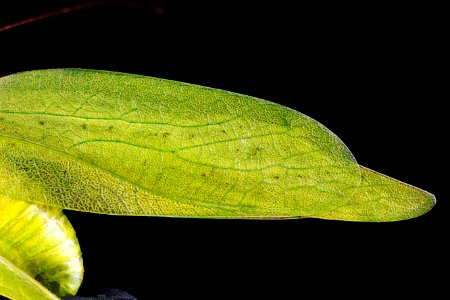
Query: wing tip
(381,198)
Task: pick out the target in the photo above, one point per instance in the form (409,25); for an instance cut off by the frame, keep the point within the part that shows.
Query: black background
(369,73)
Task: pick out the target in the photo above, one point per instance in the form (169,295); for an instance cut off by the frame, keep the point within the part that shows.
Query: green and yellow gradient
(40,242)
(123,144)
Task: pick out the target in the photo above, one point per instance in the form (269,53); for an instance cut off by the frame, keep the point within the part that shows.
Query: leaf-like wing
(125,144)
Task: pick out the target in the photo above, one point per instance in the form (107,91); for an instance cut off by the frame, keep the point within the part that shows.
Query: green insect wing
(116,143)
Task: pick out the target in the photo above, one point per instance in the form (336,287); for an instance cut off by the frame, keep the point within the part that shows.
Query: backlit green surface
(41,243)
(17,285)
(125,144)
(115,143)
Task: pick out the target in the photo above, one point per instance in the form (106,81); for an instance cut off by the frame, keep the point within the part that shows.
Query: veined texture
(117,143)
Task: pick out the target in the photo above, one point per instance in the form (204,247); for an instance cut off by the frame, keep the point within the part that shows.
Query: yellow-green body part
(18,285)
(123,144)
(40,242)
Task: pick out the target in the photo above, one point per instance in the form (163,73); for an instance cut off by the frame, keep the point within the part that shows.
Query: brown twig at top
(70,9)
